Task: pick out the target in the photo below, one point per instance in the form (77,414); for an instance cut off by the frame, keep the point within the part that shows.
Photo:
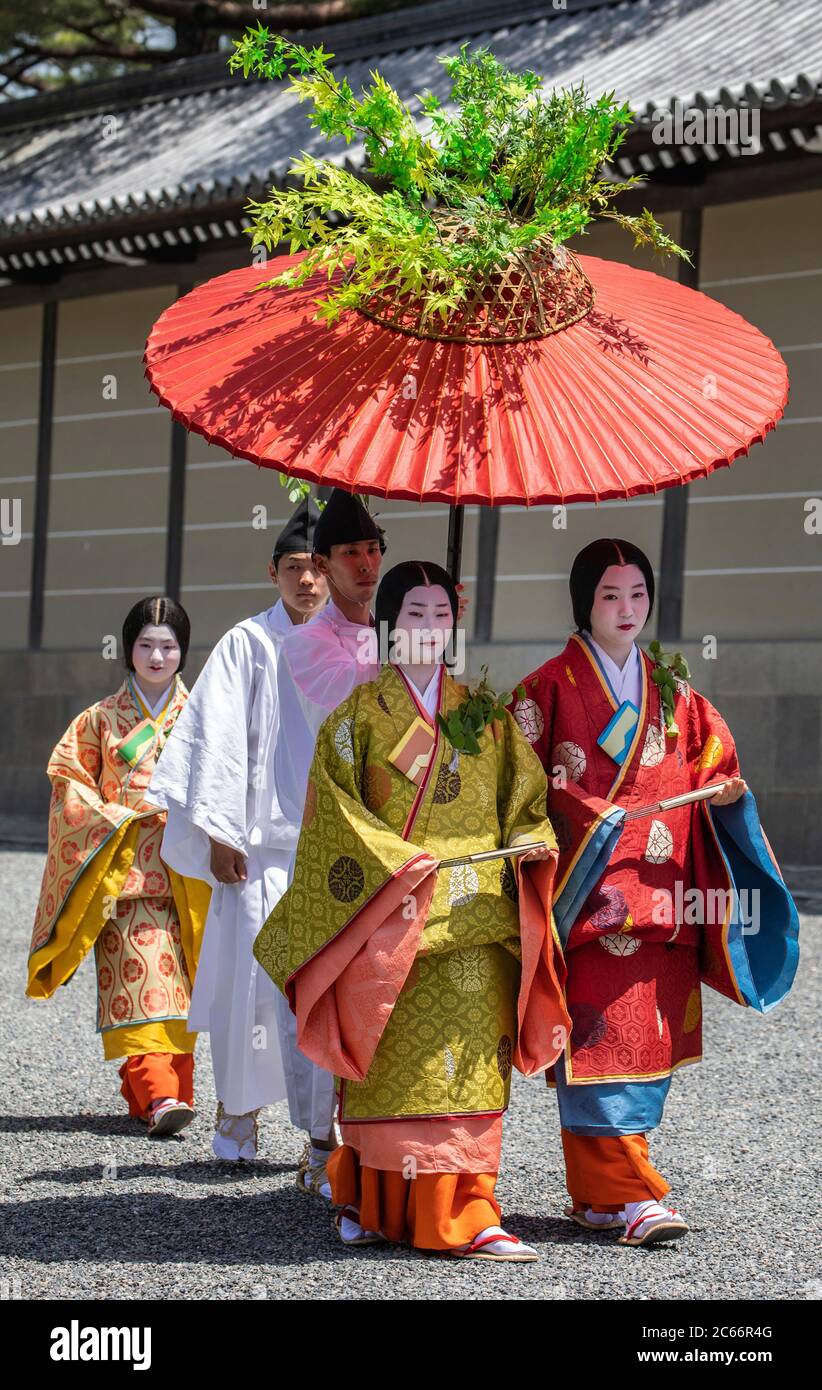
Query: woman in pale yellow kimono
(420,987)
(105,886)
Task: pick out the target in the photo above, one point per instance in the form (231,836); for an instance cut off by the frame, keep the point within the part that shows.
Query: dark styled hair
(156,611)
(396,584)
(589,567)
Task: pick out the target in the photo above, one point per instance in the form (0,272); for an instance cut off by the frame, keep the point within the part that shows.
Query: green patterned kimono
(434,1010)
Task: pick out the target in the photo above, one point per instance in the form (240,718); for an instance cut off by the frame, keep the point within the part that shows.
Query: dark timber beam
(675,513)
(48,355)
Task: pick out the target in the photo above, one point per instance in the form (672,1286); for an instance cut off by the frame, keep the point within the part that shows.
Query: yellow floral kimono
(104,884)
(419,987)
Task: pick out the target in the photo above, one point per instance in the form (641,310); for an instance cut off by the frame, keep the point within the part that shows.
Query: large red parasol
(601,382)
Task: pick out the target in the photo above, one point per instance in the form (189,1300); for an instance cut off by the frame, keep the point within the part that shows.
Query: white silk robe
(216,779)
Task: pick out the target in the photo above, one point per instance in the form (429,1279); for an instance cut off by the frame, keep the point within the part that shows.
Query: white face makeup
(620,608)
(423,626)
(156,656)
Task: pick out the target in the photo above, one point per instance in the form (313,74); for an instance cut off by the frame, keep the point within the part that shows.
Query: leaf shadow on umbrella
(315,394)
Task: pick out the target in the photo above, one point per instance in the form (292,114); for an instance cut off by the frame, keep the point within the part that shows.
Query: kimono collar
(338,619)
(141,700)
(277,620)
(625,684)
(431,696)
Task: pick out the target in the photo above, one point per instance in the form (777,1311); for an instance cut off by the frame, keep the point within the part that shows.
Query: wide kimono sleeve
(342,939)
(91,847)
(543,1023)
(324,669)
(750,947)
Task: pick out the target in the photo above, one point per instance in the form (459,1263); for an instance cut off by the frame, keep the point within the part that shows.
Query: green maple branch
(511,163)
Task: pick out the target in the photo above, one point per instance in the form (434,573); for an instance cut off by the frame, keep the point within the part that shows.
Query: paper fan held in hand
(509,174)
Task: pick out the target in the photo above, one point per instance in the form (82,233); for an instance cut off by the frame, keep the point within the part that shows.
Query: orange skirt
(605,1173)
(434,1211)
(156,1076)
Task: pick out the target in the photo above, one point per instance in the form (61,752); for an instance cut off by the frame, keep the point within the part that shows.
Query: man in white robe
(226,826)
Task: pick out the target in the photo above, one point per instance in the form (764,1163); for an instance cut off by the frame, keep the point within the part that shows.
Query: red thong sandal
(521,1254)
(669,1226)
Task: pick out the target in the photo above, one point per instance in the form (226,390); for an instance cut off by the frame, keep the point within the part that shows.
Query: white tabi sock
(602,1218)
(352,1230)
(649,1209)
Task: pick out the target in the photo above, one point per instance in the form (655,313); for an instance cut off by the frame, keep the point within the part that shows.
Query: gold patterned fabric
(448,1038)
(105,885)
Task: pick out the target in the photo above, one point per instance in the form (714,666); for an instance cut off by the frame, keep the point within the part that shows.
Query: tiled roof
(196,137)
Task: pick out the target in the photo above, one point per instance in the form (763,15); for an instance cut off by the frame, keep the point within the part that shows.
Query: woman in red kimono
(647,905)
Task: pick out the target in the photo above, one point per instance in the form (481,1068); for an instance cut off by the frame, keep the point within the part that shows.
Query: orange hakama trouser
(605,1173)
(434,1211)
(156,1076)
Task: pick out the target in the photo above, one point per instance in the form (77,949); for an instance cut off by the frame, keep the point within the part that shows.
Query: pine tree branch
(125,52)
(229,14)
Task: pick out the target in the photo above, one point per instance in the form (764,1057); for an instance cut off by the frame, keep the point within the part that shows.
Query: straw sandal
(668,1225)
(311,1180)
(168,1118)
(237,1133)
(366,1238)
(581,1219)
(520,1254)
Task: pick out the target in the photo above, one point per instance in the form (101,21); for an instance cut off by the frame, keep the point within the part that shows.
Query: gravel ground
(91,1209)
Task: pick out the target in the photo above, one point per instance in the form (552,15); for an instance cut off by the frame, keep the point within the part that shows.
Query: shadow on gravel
(72,1124)
(277,1228)
(194,1171)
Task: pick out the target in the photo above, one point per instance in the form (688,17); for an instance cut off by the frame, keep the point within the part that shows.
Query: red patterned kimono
(639,941)
(104,885)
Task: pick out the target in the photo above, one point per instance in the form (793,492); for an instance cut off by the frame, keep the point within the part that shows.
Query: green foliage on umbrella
(512,163)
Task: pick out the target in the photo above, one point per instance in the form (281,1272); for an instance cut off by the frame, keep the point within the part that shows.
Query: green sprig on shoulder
(668,668)
(464,726)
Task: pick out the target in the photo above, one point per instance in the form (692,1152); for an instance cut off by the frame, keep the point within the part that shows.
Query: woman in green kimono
(421,984)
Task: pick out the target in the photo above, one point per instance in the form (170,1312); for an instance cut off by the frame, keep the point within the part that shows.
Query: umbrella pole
(456,518)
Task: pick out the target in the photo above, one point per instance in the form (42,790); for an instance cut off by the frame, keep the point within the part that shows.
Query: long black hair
(395,585)
(156,611)
(589,567)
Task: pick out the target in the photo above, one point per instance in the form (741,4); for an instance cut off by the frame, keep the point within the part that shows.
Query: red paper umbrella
(634,383)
